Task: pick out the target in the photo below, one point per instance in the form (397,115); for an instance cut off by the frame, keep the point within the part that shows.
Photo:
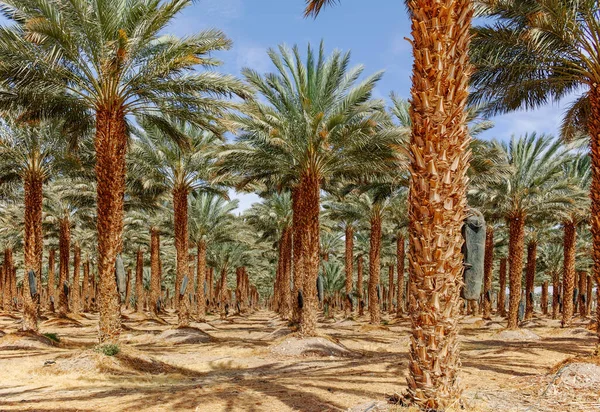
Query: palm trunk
(299,241)
(374,266)
(210,287)
(75,288)
(64,246)
(582,294)
(349,260)
(200,280)
(568,271)
(309,191)
(222,293)
(128,290)
(544,298)
(488,267)
(594,132)
(588,294)
(530,278)
(139,281)
(286,298)
(182,302)
(502,291)
(154,270)
(555,294)
(400,270)
(33,221)
(86,286)
(359,286)
(2,287)
(516,244)
(51,280)
(111,147)
(437,206)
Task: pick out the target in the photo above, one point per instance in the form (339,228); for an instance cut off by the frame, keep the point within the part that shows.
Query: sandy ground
(250,363)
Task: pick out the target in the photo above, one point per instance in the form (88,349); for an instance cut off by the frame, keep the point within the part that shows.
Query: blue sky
(375,35)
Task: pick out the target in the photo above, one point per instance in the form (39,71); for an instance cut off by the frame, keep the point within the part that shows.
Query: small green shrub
(52,336)
(108,350)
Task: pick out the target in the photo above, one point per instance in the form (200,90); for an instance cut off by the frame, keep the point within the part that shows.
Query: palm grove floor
(236,366)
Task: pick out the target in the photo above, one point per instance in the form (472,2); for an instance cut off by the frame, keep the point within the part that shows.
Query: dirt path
(233,367)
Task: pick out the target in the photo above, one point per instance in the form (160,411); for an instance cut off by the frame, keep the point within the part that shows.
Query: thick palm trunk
(154,270)
(374,268)
(64,248)
(439,162)
(544,298)
(286,298)
(516,244)
(308,191)
(488,267)
(51,280)
(111,146)
(210,281)
(75,288)
(33,221)
(349,266)
(594,132)
(530,278)
(555,294)
(359,286)
(299,242)
(222,293)
(589,284)
(400,270)
(182,302)
(502,292)
(568,272)
(390,291)
(128,289)
(201,280)
(139,281)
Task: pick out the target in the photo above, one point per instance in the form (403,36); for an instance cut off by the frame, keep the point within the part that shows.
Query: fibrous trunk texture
(502,291)
(75,288)
(64,246)
(51,280)
(306,205)
(349,267)
(154,270)
(201,280)
(128,289)
(488,267)
(589,285)
(139,281)
(530,278)
(400,270)
(582,294)
(359,286)
(180,205)
(594,133)
(32,238)
(86,285)
(390,291)
(111,146)
(569,239)
(516,244)
(437,198)
(374,268)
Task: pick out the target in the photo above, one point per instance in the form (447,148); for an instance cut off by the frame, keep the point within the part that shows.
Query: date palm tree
(95,64)
(211,218)
(534,190)
(537,51)
(164,166)
(316,124)
(27,156)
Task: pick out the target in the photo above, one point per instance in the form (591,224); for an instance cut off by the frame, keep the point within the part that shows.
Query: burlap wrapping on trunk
(474,252)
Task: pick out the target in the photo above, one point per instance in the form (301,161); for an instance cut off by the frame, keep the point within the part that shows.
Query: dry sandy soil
(252,363)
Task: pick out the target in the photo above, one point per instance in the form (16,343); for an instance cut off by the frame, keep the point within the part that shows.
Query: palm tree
(27,154)
(210,221)
(95,63)
(317,124)
(537,51)
(534,190)
(165,166)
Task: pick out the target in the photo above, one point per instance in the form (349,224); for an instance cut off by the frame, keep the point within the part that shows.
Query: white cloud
(253,57)
(245,200)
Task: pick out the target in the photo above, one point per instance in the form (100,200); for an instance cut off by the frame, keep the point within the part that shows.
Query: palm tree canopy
(69,59)
(534,52)
(316,118)
(211,218)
